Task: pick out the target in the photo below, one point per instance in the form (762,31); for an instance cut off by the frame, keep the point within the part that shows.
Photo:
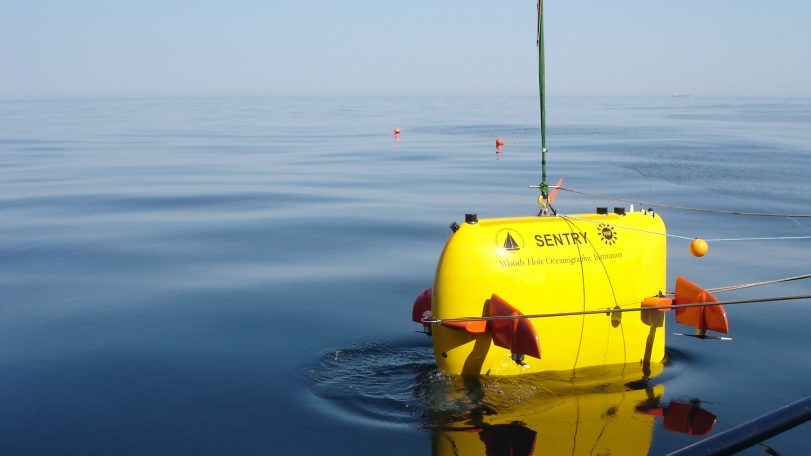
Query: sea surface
(235,275)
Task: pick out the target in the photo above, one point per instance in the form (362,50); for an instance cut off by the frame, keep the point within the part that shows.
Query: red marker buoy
(499,142)
(396,131)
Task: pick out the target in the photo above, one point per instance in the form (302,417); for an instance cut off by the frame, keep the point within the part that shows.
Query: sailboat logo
(509,243)
(509,240)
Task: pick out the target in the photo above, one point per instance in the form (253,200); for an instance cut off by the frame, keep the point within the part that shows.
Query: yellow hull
(554,264)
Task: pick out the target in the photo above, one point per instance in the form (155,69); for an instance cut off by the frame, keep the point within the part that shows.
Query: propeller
(554,191)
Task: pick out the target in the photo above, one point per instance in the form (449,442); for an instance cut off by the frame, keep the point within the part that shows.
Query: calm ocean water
(235,276)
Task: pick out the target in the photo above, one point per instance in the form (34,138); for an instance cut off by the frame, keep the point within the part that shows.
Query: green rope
(542,89)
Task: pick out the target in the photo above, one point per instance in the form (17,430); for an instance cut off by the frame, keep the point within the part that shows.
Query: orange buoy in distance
(499,142)
(699,247)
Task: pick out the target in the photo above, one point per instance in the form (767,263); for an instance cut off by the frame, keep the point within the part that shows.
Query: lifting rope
(757,284)
(681,208)
(743,286)
(599,222)
(542,95)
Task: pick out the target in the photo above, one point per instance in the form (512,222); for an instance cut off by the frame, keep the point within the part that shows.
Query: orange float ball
(699,247)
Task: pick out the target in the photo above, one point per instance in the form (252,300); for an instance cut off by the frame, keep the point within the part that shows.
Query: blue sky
(84,48)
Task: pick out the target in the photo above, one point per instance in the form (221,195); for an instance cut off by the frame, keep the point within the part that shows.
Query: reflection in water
(592,411)
(595,411)
(684,417)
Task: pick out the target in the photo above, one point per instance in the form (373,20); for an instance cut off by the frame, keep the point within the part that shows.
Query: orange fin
(702,318)
(516,334)
(422,305)
(473,326)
